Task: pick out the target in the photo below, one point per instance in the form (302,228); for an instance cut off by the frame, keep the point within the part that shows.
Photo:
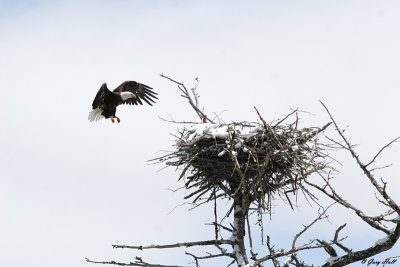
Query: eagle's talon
(112,119)
(118,120)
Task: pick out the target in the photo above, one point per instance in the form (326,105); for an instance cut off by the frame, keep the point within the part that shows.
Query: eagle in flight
(130,92)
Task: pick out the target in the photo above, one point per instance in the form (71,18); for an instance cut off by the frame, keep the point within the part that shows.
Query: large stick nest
(252,158)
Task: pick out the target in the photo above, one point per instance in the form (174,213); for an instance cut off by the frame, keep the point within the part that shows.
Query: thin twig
(176,245)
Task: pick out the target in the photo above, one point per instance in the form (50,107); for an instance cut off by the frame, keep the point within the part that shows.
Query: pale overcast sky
(69,188)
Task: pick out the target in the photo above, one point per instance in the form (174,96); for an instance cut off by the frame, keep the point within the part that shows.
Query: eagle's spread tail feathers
(95,115)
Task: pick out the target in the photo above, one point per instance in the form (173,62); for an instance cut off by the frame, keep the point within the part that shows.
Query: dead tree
(252,163)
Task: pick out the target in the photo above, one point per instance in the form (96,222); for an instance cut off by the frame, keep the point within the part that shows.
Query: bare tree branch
(177,245)
(138,263)
(321,216)
(380,151)
(363,166)
(194,103)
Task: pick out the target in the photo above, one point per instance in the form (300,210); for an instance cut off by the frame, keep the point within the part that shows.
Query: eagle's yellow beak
(133,95)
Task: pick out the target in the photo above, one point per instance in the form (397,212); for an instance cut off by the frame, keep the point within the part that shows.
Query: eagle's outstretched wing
(103,94)
(142,92)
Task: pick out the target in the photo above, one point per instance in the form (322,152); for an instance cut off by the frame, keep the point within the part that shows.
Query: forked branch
(192,98)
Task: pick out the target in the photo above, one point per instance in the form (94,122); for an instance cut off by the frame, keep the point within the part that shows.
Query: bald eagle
(129,92)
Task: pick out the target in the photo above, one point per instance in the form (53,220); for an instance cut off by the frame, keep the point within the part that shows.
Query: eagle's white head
(127,95)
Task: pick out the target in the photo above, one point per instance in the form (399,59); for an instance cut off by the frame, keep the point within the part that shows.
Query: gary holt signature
(374,262)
